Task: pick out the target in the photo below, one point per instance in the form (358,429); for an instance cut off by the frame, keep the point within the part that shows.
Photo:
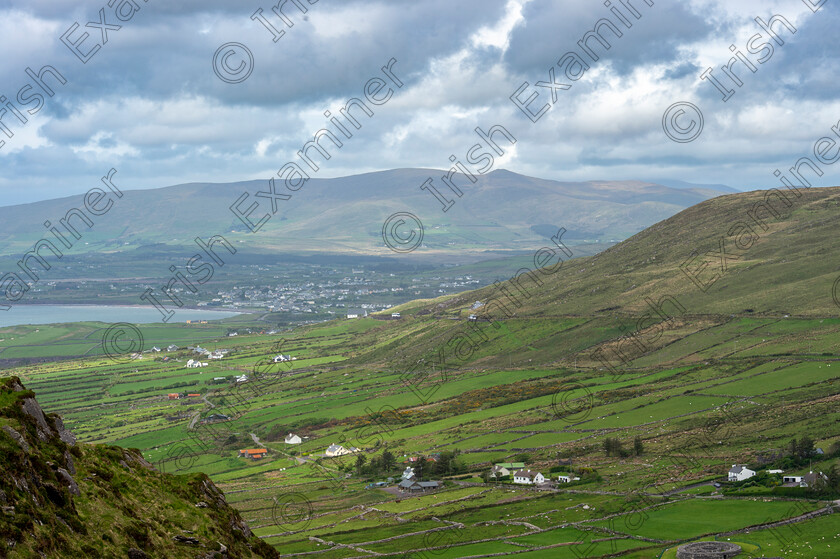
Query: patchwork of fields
(701,400)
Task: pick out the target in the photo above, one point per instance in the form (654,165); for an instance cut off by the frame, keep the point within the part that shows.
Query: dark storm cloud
(554,28)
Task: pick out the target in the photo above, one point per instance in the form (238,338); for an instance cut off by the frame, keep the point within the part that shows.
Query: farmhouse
(528,477)
(811,478)
(408,474)
(338,450)
(253,453)
(567,479)
(192,364)
(172,347)
(740,472)
(292,439)
(356,314)
(284,358)
(498,471)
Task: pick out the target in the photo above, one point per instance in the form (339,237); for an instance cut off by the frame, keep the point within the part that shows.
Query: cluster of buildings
(180,396)
(525,476)
(739,472)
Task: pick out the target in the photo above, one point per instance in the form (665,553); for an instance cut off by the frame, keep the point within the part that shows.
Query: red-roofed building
(253,453)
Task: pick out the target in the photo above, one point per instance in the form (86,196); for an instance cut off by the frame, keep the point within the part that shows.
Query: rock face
(17,437)
(63,433)
(33,410)
(69,482)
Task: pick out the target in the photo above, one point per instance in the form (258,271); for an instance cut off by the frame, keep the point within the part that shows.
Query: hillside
(63,499)
(774,264)
(503,211)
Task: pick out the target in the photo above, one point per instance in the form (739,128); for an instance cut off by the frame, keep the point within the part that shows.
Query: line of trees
(613,447)
(385,464)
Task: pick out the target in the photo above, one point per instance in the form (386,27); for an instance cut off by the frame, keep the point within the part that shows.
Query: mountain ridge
(347,213)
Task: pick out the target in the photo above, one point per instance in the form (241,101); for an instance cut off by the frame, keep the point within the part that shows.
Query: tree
(419,466)
(638,447)
(360,463)
(612,447)
(389,461)
(805,448)
(833,475)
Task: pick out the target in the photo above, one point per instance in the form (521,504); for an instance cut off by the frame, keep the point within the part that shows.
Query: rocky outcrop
(17,437)
(56,494)
(63,433)
(32,409)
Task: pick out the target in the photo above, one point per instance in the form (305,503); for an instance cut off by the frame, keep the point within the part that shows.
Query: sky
(149,99)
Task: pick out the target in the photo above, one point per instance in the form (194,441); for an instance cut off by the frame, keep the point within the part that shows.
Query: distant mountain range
(502,211)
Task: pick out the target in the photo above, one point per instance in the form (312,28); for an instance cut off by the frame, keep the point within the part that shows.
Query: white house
(192,364)
(292,439)
(567,479)
(528,477)
(499,471)
(337,450)
(356,314)
(408,474)
(284,358)
(792,479)
(396,315)
(740,473)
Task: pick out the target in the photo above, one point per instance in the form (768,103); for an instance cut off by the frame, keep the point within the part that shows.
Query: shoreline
(142,307)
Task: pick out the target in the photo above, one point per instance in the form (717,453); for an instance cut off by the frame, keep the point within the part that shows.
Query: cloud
(150,104)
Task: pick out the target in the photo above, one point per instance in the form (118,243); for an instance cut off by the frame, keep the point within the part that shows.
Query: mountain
(502,211)
(63,499)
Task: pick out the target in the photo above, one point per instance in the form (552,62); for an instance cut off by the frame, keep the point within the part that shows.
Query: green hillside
(775,264)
